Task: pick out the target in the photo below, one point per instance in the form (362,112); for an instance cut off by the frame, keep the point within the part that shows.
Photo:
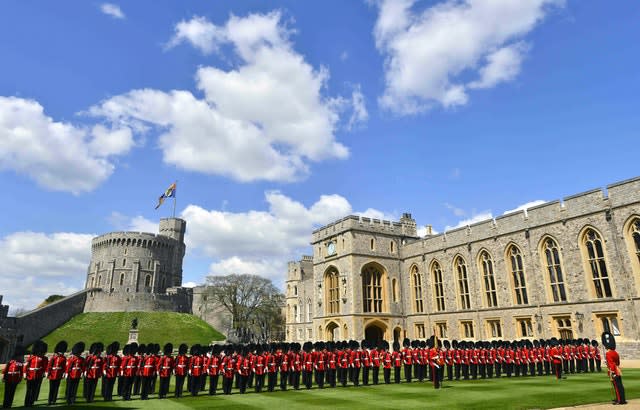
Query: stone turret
(408,225)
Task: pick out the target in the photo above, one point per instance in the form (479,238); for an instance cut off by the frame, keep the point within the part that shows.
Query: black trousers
(450,372)
(242,385)
(259,382)
(127,386)
(307,378)
(365,375)
(474,370)
(271,381)
(417,372)
(342,376)
(407,373)
(213,384)
(375,372)
(435,372)
(9,393)
(71,390)
(331,377)
(295,380)
(54,387)
(482,369)
(145,390)
(320,375)
(107,388)
(498,367)
(227,384)
(33,388)
(565,366)
(532,369)
(355,376)
(120,384)
(547,368)
(592,365)
(508,369)
(91,385)
(619,389)
(194,386)
(490,370)
(179,386)
(396,374)
(465,371)
(386,374)
(458,369)
(557,370)
(284,376)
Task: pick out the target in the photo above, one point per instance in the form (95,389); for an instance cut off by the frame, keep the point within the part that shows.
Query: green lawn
(515,393)
(154,327)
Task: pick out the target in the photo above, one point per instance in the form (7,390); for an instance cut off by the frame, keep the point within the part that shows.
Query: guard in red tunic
(343,363)
(94,371)
(259,367)
(613,366)
(181,368)
(55,370)
(407,359)
(285,365)
(128,369)
(34,368)
(137,379)
(111,370)
(307,364)
(374,353)
(271,366)
(416,357)
(243,368)
(556,354)
(491,357)
(397,361)
(12,376)
(296,365)
(196,369)
(596,355)
(387,361)
(332,363)
(365,362)
(74,371)
(228,368)
(166,365)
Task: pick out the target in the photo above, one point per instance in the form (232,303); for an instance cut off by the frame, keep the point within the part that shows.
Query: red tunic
(182,365)
(270,363)
(319,361)
(75,367)
(387,360)
(285,364)
(55,367)
(112,366)
(228,367)
(196,366)
(356,359)
(307,359)
(243,366)
(95,367)
(166,364)
(613,363)
(12,372)
(407,356)
(129,367)
(35,367)
(258,365)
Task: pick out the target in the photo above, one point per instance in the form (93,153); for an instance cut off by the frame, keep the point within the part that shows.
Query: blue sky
(278,117)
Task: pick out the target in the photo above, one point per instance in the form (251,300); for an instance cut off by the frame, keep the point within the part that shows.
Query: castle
(138,271)
(565,269)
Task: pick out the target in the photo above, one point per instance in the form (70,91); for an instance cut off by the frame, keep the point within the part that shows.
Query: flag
(169,193)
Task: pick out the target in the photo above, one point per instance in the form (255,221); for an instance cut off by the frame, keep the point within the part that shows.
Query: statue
(134,323)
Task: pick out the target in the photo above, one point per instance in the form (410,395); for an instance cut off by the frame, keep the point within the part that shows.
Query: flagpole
(175,194)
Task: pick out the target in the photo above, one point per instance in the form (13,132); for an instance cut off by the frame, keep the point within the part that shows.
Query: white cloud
(199,32)
(428,54)
(456,211)
(344,56)
(112,10)
(36,265)
(273,269)
(189,285)
(58,156)
(376,214)
(525,206)
(482,216)
(265,120)
(360,115)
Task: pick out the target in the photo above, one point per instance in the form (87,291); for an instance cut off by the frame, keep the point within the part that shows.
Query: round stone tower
(138,271)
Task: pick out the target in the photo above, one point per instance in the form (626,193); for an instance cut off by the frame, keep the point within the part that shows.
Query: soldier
(356,362)
(499,364)
(375,361)
(228,368)
(332,363)
(613,366)
(33,370)
(213,368)
(111,370)
(343,363)
(416,357)
(407,360)
(596,355)
(12,376)
(474,356)
(196,369)
(482,359)
(547,357)
(533,358)
(251,356)
(128,366)
(55,370)
(397,361)
(509,358)
(285,365)
(491,357)
(296,365)
(166,365)
(137,379)
(181,369)
(436,361)
(73,372)
(271,364)
(556,354)
(307,364)
(94,371)
(448,355)
(319,363)
(387,361)
(258,367)
(365,361)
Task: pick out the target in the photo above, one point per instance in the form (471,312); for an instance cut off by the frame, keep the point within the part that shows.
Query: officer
(613,364)
(556,354)
(12,376)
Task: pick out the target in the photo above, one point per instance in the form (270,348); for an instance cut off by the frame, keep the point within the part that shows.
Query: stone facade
(568,268)
(138,271)
(8,334)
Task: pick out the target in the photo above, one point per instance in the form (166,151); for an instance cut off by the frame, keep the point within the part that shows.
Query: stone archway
(332,332)
(374,332)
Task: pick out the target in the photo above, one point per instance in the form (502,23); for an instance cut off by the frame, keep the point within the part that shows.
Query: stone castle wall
(137,270)
(363,242)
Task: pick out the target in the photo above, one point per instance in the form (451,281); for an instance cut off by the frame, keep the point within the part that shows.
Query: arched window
(332,286)
(517,274)
(416,281)
(594,247)
(121,279)
(124,262)
(553,263)
(463,283)
(438,286)
(486,264)
(296,313)
(147,281)
(632,236)
(372,289)
(635,238)
(309,310)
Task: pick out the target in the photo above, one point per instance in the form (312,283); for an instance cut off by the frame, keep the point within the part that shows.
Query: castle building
(138,271)
(568,268)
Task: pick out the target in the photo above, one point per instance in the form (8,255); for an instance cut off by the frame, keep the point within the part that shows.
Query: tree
(253,302)
(50,299)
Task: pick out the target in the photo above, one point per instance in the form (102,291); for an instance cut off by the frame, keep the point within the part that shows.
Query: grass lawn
(154,327)
(515,393)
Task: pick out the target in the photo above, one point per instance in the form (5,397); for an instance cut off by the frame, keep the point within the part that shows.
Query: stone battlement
(362,223)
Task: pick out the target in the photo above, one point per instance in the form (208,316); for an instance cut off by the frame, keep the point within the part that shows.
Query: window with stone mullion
(489,280)
(463,284)
(517,270)
(554,268)
(439,287)
(598,264)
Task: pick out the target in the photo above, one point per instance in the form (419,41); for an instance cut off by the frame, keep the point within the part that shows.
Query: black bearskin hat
(608,341)
(168,349)
(19,352)
(78,348)
(142,348)
(182,349)
(405,342)
(39,348)
(61,347)
(396,346)
(594,343)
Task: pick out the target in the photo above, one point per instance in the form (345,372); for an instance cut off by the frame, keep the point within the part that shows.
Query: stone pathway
(631,404)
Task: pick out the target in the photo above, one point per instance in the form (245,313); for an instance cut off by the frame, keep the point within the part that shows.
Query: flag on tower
(169,193)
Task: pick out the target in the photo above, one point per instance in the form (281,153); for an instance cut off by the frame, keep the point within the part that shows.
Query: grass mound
(153,327)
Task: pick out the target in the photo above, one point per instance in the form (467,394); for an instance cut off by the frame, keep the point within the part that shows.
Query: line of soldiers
(279,365)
